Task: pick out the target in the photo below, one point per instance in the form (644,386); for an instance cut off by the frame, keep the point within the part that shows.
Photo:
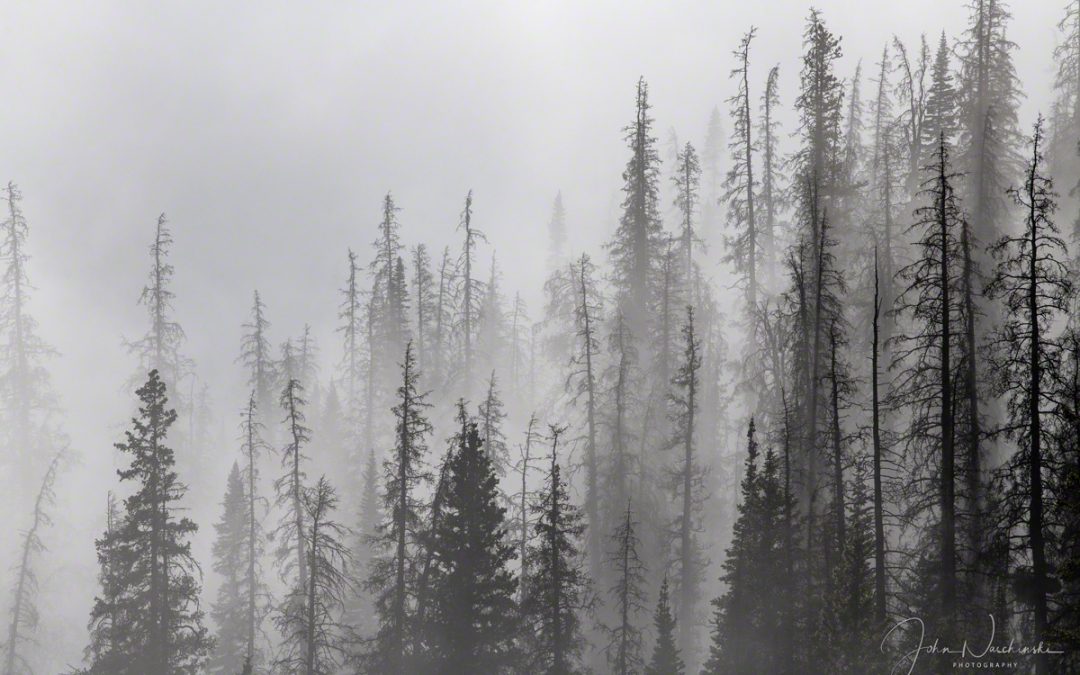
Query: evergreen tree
(471,623)
(159,349)
(746,623)
(492,417)
(771,197)
(911,94)
(27,402)
(255,355)
(424,298)
(665,657)
(24,610)
(1032,277)
(290,534)
(557,587)
(687,480)
(941,113)
(152,598)
(313,638)
(391,576)
(687,181)
(628,598)
(638,242)
(924,356)
(230,553)
(989,94)
(557,234)
(106,626)
(470,292)
(744,248)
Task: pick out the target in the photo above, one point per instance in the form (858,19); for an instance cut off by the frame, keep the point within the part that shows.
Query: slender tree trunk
(948,470)
(1035,522)
(591,506)
(879,522)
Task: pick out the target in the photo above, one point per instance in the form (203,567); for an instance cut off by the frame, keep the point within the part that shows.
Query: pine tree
(290,533)
(687,481)
(24,610)
(746,624)
(744,248)
(391,577)
(255,355)
(523,500)
(622,405)
(1032,278)
(557,234)
(423,295)
(582,384)
(628,597)
(665,657)
(911,94)
(471,623)
(492,417)
(491,321)
(470,291)
(989,92)
(152,599)
(159,349)
(443,321)
(687,181)
(556,590)
(638,242)
(924,359)
(27,402)
(313,638)
(772,192)
(941,114)
(229,610)
(106,627)
(256,600)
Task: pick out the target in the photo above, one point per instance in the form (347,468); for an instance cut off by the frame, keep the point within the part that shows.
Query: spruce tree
(492,417)
(470,291)
(24,610)
(229,609)
(313,637)
(152,598)
(557,234)
(687,480)
(159,349)
(744,247)
(392,575)
(628,597)
(290,534)
(424,304)
(924,358)
(638,242)
(256,357)
(557,587)
(27,401)
(1032,277)
(471,624)
(665,657)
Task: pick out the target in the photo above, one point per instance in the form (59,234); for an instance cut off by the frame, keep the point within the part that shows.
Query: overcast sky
(268,132)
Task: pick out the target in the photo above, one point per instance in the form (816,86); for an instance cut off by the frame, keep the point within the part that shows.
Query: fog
(268,133)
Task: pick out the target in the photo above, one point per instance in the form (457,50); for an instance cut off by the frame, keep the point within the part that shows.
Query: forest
(861,457)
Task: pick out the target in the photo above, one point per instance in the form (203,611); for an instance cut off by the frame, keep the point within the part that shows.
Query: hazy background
(269,131)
